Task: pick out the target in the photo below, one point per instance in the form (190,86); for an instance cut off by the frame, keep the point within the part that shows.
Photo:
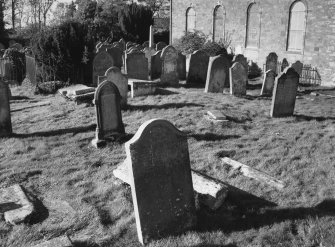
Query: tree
(155,5)
(3,33)
(39,10)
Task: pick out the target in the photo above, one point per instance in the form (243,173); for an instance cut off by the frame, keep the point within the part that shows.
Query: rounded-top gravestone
(101,62)
(197,71)
(216,75)
(169,59)
(114,75)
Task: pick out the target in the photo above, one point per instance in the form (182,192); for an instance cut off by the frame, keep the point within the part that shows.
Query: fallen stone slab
(216,116)
(62,241)
(76,90)
(142,87)
(15,205)
(211,192)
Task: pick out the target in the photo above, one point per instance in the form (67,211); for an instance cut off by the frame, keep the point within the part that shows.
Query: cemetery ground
(75,193)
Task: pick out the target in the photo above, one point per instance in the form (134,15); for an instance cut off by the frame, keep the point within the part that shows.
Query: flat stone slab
(15,205)
(62,241)
(142,87)
(216,115)
(76,90)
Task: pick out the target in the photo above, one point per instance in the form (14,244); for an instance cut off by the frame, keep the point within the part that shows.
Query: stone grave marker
(284,93)
(298,67)
(197,72)
(31,69)
(149,52)
(142,87)
(156,65)
(137,65)
(109,119)
(169,75)
(271,62)
(101,62)
(114,75)
(123,44)
(116,54)
(160,45)
(284,64)
(181,66)
(242,60)
(216,75)
(161,181)
(238,79)
(5,118)
(268,82)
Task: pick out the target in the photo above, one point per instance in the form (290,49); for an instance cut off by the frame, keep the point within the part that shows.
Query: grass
(75,193)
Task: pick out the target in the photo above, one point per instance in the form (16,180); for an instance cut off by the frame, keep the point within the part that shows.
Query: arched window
(218,23)
(190,20)
(297,26)
(253,26)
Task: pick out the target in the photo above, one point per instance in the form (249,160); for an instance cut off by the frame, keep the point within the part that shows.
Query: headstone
(216,75)
(123,44)
(161,181)
(284,64)
(149,52)
(116,54)
(156,65)
(31,69)
(284,93)
(298,66)
(137,66)
(101,62)
(142,87)
(5,118)
(198,68)
(181,66)
(268,82)
(271,62)
(114,75)
(160,45)
(109,120)
(242,60)
(226,63)
(238,79)
(169,59)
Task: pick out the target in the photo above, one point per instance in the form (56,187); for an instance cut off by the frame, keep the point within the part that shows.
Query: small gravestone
(216,75)
(156,65)
(242,60)
(101,62)
(197,72)
(181,66)
(298,66)
(284,64)
(114,75)
(271,62)
(142,87)
(5,118)
(169,59)
(268,82)
(109,120)
(238,79)
(116,54)
(160,45)
(161,182)
(137,65)
(284,93)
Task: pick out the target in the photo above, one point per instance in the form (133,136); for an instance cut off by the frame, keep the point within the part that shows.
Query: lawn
(75,192)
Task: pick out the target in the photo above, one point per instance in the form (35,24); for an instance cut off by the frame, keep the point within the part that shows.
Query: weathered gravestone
(284,93)
(268,82)
(271,62)
(161,181)
(31,69)
(238,79)
(101,62)
(169,59)
(298,66)
(226,65)
(156,65)
(160,45)
(284,64)
(148,53)
(137,65)
(242,60)
(116,54)
(114,75)
(5,118)
(197,72)
(181,66)
(216,75)
(109,120)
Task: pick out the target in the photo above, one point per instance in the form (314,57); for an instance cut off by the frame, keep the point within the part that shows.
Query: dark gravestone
(216,75)
(226,65)
(31,69)
(268,82)
(160,46)
(238,79)
(148,53)
(156,65)
(101,62)
(114,75)
(197,72)
(284,64)
(137,65)
(271,62)
(284,93)
(161,181)
(5,118)
(116,54)
(298,66)
(242,60)
(169,59)
(109,120)
(181,66)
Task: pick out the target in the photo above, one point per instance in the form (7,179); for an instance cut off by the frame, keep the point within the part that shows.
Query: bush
(191,41)
(17,59)
(214,49)
(49,87)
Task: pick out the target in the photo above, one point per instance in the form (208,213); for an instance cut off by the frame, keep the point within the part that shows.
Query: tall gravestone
(284,93)
(298,66)
(197,72)
(268,82)
(242,60)
(156,65)
(148,53)
(238,79)
(181,66)
(284,64)
(137,65)
(161,181)
(272,62)
(160,45)
(101,62)
(216,75)
(226,63)
(5,118)
(109,120)
(169,59)
(114,75)
(116,54)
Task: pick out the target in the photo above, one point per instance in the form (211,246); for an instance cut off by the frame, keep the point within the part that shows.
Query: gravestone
(5,118)
(31,69)
(238,79)
(137,66)
(226,65)
(271,62)
(284,93)
(114,75)
(268,82)
(109,120)
(156,65)
(298,66)
(101,62)
(197,72)
(242,60)
(160,45)
(148,53)
(123,44)
(161,182)
(284,64)
(116,54)
(181,66)
(216,75)
(169,59)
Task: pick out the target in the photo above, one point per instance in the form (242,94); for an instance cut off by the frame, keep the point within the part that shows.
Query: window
(253,26)
(297,25)
(190,20)
(218,23)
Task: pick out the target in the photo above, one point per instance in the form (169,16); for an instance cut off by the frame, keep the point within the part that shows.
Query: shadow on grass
(19,97)
(165,106)
(254,86)
(214,245)
(311,118)
(161,91)
(212,137)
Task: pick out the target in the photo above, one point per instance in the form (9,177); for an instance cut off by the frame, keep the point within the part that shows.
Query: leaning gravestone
(160,180)
(216,75)
(268,82)
(5,118)
(298,66)
(116,54)
(181,66)
(271,62)
(284,64)
(284,93)
(242,60)
(31,69)
(226,65)
(160,46)
(114,75)
(156,65)
(169,59)
(108,110)
(198,68)
(137,65)
(101,62)
(238,79)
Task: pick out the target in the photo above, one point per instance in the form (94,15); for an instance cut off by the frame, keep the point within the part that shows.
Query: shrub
(49,87)
(17,59)
(214,49)
(191,41)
